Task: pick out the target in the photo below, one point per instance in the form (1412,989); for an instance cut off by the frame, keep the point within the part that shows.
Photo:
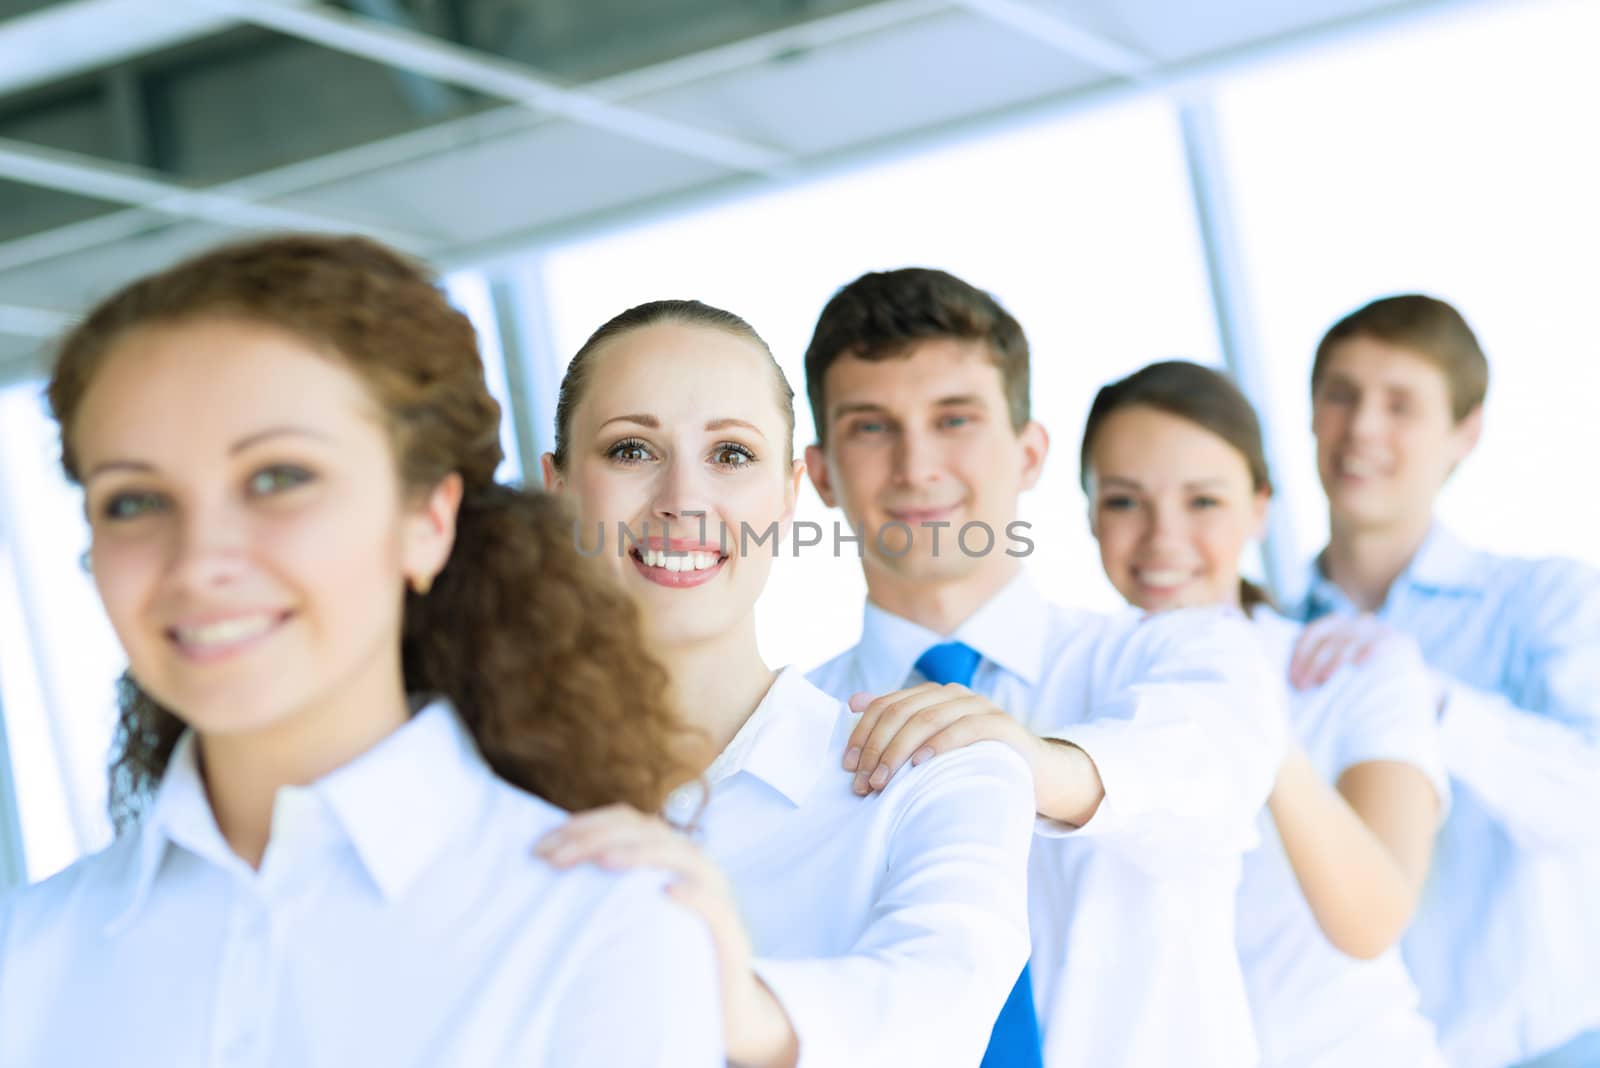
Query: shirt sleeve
(1187,733)
(1531,755)
(1387,712)
(645,994)
(948,936)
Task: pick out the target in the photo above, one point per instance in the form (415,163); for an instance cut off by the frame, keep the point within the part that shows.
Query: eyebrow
(650,422)
(870,408)
(1199,483)
(247,442)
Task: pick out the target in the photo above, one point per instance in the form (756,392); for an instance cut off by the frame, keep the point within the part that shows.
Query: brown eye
(731,454)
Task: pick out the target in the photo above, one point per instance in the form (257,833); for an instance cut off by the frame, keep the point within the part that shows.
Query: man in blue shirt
(1505,949)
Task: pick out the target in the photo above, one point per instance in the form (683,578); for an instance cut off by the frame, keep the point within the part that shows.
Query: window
(1082,226)
(1452,159)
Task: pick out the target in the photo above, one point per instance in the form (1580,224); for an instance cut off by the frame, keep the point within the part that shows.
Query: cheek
(341,559)
(126,576)
(605,497)
(1117,537)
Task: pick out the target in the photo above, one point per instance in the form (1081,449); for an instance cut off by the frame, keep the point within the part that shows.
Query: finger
(961,733)
(875,707)
(889,724)
(583,837)
(677,857)
(1332,656)
(923,725)
(1307,649)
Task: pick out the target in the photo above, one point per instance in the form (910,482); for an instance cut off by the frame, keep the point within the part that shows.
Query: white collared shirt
(1506,945)
(1134,961)
(398,918)
(1314,1006)
(890,927)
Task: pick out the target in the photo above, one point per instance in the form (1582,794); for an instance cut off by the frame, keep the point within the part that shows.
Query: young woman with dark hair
(1176,474)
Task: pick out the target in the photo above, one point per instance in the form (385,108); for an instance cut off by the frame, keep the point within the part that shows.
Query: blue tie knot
(950,662)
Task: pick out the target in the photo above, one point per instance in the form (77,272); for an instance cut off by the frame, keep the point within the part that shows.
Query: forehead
(196,383)
(1154,447)
(681,371)
(929,371)
(1373,363)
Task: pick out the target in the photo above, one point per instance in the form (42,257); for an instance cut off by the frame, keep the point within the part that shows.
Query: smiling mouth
(222,639)
(1161,578)
(678,569)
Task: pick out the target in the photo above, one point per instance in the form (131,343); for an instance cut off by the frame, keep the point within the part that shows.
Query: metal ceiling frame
(83,176)
(1123,64)
(516,83)
(1064,35)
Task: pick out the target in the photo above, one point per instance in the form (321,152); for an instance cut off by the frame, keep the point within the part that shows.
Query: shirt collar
(786,740)
(396,805)
(1441,564)
(1009,629)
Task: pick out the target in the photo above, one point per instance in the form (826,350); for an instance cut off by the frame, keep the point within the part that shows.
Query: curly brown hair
(542,655)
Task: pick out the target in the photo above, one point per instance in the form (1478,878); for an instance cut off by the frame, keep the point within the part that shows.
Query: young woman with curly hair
(363,677)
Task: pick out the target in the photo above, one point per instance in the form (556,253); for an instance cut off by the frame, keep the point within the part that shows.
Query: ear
(553,480)
(1466,434)
(1258,506)
(817,467)
(1035,447)
(429,531)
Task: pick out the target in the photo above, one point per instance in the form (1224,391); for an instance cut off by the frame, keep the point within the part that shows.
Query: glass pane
(1081,226)
(1446,160)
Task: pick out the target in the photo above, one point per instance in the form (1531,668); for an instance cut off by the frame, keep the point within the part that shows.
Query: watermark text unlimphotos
(893,539)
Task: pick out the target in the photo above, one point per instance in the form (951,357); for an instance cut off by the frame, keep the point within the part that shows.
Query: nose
(210,548)
(678,496)
(916,459)
(1166,525)
(1366,418)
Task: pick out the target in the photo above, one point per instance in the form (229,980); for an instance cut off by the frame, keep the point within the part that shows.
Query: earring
(86,563)
(421,584)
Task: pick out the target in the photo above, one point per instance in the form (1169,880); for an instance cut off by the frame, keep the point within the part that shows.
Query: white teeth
(689,561)
(228,630)
(1349,465)
(1163,578)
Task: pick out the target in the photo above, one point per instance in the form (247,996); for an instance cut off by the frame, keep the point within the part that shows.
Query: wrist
(758,1031)
(1067,784)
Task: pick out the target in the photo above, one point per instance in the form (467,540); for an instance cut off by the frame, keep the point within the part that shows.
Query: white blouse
(890,927)
(398,918)
(1314,1006)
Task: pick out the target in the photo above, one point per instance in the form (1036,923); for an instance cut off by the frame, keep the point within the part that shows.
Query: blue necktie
(1014,1042)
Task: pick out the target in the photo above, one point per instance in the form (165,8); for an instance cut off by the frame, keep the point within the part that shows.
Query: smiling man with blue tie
(1153,743)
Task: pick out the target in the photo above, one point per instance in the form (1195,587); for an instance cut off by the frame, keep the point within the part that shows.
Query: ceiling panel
(540,175)
(72,283)
(1168,31)
(937,69)
(25,209)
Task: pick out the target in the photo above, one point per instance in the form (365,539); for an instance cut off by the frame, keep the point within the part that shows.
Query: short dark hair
(882,314)
(1427,326)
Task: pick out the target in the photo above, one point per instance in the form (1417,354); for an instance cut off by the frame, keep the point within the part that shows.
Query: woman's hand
(757,1031)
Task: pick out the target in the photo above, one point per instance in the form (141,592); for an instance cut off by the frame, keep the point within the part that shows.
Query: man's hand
(918,724)
(1331,643)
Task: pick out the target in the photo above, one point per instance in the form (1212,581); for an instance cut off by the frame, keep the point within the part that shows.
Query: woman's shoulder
(85,893)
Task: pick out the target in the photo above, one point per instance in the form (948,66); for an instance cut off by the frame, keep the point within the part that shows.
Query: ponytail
(543,657)
(1252,597)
